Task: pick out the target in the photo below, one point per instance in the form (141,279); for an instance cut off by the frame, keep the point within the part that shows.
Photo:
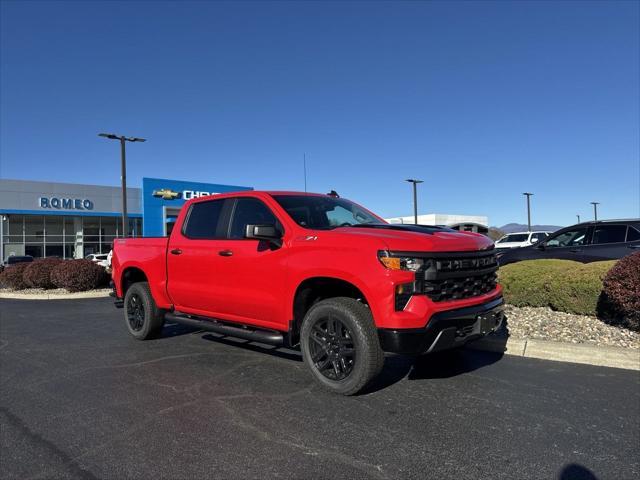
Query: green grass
(563,285)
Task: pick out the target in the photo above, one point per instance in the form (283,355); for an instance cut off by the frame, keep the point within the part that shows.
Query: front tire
(340,345)
(143,318)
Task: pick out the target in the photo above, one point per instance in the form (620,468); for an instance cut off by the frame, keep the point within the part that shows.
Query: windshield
(514,237)
(324,213)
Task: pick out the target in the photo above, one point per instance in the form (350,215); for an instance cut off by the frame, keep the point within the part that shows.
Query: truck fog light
(403,294)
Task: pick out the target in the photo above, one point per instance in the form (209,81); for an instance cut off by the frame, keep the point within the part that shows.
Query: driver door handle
(225,253)
(176,251)
(575,250)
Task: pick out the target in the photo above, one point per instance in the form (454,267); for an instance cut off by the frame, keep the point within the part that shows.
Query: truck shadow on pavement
(446,364)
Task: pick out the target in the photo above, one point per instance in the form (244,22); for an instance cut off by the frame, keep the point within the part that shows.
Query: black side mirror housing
(269,233)
(540,246)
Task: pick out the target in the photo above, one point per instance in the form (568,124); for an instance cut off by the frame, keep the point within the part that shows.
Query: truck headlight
(393,262)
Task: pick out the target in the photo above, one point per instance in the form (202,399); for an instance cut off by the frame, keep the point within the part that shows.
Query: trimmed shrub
(79,275)
(38,273)
(562,285)
(12,277)
(620,299)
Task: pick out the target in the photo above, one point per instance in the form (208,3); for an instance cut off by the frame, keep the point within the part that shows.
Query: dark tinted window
(609,234)
(250,211)
(203,220)
(324,213)
(568,238)
(633,235)
(514,237)
(538,237)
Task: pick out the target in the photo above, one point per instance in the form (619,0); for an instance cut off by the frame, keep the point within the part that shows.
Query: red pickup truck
(315,271)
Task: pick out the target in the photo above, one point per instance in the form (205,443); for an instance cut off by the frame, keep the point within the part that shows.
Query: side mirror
(268,233)
(540,246)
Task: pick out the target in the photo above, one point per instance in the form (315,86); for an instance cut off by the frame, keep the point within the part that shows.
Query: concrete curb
(58,296)
(616,357)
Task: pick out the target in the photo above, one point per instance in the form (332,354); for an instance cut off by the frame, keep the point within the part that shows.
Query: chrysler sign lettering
(66,203)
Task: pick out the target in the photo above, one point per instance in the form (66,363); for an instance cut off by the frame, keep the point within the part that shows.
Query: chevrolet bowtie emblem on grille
(166,194)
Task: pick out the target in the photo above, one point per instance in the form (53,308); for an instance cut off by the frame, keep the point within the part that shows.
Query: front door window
(570,238)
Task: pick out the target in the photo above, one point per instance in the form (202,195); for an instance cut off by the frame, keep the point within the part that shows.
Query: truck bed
(148,254)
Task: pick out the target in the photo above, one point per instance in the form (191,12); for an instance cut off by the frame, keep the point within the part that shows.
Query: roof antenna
(304,163)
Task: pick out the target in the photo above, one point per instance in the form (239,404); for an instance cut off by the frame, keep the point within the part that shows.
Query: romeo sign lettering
(66,203)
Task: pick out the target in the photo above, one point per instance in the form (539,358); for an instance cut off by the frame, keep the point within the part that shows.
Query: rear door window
(609,234)
(538,237)
(204,221)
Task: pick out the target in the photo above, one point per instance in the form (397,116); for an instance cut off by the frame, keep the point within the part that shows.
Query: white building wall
(441,219)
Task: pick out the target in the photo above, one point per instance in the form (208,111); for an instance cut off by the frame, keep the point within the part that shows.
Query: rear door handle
(575,250)
(176,251)
(225,253)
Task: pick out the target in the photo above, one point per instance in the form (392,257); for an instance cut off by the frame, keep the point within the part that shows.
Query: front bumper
(448,329)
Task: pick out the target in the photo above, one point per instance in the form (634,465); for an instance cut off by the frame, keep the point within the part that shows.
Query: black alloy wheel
(332,348)
(135,312)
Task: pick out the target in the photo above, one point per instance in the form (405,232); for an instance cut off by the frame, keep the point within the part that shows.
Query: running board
(270,337)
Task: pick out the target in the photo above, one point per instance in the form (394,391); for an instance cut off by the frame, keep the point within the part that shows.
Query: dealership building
(68,220)
(465,223)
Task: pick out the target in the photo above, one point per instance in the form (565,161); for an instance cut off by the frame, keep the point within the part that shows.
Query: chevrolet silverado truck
(312,271)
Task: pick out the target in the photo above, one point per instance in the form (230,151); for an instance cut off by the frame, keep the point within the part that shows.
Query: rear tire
(143,318)
(340,345)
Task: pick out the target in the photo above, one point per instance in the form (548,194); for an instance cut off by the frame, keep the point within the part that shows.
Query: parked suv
(520,239)
(15,259)
(314,271)
(585,242)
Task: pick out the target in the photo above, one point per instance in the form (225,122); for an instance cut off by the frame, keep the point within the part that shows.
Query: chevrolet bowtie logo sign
(166,194)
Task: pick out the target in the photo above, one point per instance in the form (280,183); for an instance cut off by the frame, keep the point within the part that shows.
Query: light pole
(415,198)
(2,219)
(528,195)
(123,174)
(595,210)
(578,218)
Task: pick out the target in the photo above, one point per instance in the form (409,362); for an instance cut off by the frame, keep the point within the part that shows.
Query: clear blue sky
(482,100)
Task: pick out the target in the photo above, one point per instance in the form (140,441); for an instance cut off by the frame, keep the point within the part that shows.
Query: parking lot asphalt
(81,399)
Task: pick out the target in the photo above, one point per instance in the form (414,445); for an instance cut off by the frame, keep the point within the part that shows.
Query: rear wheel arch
(130,276)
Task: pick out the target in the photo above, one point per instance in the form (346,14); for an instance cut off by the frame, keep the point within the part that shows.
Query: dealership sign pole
(528,195)
(123,174)
(415,198)
(123,178)
(595,210)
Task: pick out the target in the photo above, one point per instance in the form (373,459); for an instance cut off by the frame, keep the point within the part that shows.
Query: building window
(34,235)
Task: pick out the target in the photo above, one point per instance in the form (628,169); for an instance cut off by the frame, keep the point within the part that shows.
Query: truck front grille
(458,288)
(458,276)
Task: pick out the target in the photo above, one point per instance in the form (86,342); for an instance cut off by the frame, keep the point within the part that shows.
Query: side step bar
(269,337)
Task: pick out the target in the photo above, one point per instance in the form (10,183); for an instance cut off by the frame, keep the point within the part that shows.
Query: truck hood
(417,238)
